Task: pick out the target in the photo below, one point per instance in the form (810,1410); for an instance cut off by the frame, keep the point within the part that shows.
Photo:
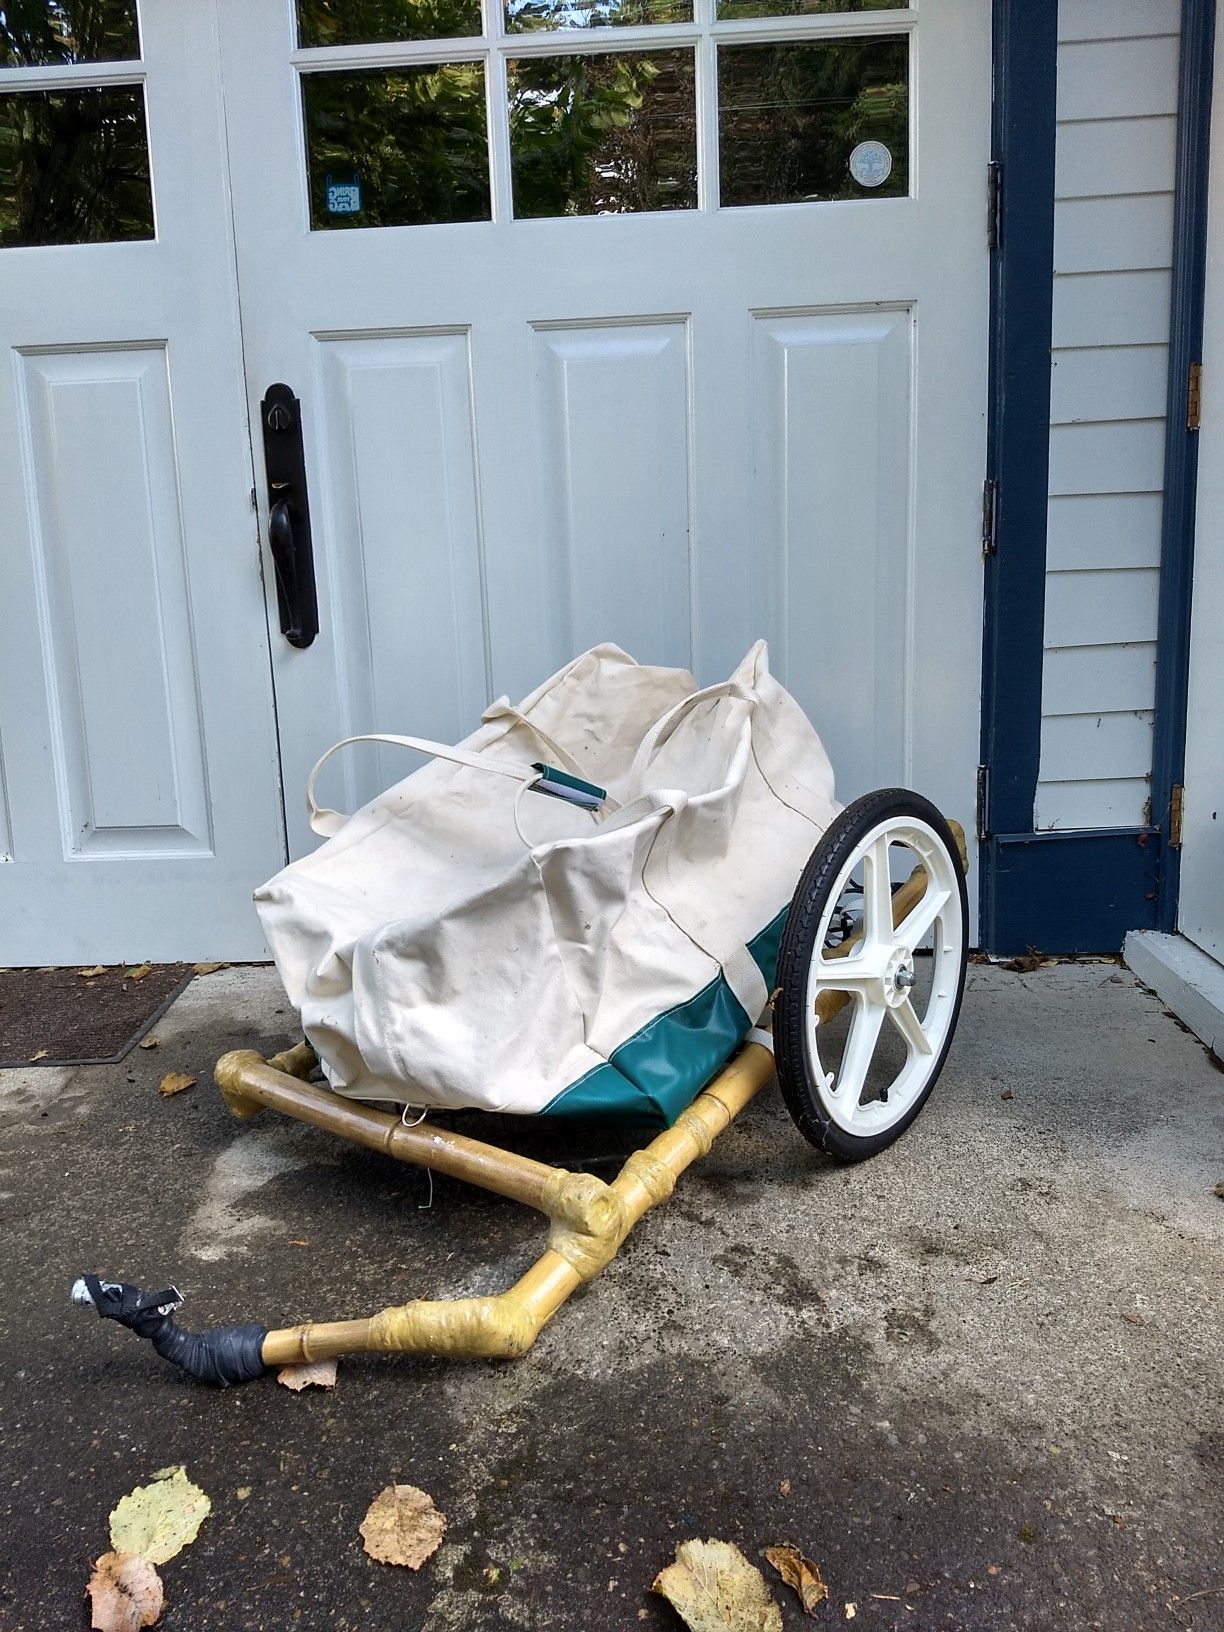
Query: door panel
(140,771)
(722,381)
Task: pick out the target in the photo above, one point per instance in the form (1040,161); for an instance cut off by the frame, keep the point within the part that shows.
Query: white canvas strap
(667,723)
(327,823)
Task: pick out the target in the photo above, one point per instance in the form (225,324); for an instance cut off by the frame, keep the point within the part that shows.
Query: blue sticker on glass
(343,197)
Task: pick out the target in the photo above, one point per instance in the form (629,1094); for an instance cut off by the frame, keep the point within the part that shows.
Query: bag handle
(667,723)
(327,823)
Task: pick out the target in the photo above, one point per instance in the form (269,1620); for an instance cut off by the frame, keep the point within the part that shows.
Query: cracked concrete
(985,1367)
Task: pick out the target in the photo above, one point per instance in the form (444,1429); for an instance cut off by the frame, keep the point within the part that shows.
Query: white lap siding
(1113,241)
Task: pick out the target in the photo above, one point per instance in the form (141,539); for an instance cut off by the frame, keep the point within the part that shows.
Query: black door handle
(289,516)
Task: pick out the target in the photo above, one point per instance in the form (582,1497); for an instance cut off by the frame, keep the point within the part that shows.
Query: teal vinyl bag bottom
(663,1067)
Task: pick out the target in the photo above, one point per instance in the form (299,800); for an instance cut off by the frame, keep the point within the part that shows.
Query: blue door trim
(1018,439)
(1074,891)
(1181,443)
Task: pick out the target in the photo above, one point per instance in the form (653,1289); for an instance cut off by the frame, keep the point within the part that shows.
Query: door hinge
(990,515)
(1176,801)
(994,204)
(1194,396)
(981,818)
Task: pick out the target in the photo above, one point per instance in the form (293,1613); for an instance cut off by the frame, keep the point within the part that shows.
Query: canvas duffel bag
(462,941)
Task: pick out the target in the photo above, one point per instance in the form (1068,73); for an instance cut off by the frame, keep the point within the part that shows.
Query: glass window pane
(368,22)
(813,119)
(524,15)
(38,32)
(595,134)
(74,166)
(397,148)
(801,8)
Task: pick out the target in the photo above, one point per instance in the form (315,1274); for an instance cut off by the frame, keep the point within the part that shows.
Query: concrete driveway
(978,1379)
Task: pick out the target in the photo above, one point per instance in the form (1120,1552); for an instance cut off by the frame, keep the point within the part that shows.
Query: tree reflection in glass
(74,166)
(36,33)
(523,16)
(603,134)
(411,140)
(370,22)
(790,115)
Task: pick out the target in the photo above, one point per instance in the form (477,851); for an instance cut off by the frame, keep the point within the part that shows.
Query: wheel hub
(898,977)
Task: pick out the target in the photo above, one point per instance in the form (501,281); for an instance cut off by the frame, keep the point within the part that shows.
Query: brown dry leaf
(40,1054)
(92,973)
(148,1042)
(159,1519)
(314,1374)
(1132,1319)
(713,1588)
(175,1082)
(126,1592)
(208,968)
(784,1487)
(139,972)
(1028,963)
(800,1574)
(403,1526)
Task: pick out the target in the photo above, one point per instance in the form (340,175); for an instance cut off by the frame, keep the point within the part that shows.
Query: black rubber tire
(794,1065)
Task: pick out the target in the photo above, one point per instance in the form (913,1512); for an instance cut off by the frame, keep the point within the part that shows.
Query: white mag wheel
(867,1005)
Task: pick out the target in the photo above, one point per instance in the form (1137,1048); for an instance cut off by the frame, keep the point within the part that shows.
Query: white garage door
(661,322)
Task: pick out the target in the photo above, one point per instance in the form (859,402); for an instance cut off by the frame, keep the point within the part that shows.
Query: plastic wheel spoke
(860,1046)
(917,925)
(852,974)
(877,895)
(906,1020)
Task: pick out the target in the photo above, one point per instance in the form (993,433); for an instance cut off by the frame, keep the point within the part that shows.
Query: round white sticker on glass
(871,164)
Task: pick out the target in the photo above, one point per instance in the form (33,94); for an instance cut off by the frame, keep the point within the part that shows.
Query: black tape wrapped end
(227,1354)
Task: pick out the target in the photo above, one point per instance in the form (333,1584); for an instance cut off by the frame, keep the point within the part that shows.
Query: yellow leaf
(403,1526)
(126,1593)
(139,972)
(41,1054)
(175,1082)
(208,968)
(91,974)
(158,1520)
(713,1588)
(800,1574)
(315,1374)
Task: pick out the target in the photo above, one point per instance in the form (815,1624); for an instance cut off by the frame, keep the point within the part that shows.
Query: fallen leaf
(1027,964)
(1219,1189)
(314,1374)
(299,1241)
(126,1593)
(208,968)
(243,1493)
(139,972)
(148,1042)
(1007,1094)
(40,1055)
(714,1588)
(851,1611)
(1133,1319)
(175,1082)
(92,974)
(403,1526)
(784,1487)
(800,1574)
(1119,1519)
(159,1519)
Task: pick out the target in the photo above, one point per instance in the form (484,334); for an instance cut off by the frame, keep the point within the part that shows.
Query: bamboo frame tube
(248,1084)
